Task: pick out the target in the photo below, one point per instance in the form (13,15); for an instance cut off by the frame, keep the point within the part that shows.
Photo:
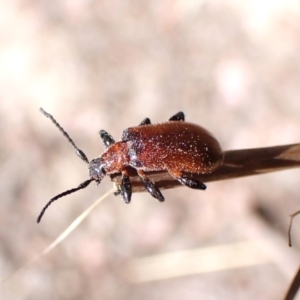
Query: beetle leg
(106,138)
(117,193)
(150,186)
(192,183)
(178,117)
(187,181)
(126,189)
(146,122)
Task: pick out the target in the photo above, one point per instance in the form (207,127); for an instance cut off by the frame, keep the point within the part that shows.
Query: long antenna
(79,152)
(80,187)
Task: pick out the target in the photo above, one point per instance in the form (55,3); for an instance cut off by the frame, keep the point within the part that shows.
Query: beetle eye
(102,170)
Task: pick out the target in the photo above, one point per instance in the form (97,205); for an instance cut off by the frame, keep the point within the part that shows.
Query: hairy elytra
(175,146)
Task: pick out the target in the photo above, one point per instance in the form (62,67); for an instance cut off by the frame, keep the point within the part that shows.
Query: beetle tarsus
(153,190)
(151,187)
(126,189)
(106,138)
(178,117)
(146,122)
(191,183)
(117,193)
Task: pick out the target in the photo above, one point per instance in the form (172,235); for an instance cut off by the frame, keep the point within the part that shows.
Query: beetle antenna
(79,152)
(68,192)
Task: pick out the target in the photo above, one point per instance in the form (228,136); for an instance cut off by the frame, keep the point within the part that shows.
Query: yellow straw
(62,236)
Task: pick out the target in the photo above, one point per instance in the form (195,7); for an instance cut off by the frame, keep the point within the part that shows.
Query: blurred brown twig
(236,163)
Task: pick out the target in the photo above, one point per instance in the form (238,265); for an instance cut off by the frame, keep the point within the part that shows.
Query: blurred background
(231,66)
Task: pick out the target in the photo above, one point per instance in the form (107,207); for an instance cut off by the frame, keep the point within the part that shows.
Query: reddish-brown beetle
(174,146)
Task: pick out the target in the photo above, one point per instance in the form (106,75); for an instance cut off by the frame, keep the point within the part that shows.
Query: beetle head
(96,169)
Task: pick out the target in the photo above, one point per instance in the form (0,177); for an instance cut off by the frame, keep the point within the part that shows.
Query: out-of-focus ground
(231,66)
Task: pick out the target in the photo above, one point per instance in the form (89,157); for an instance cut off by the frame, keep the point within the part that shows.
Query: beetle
(175,146)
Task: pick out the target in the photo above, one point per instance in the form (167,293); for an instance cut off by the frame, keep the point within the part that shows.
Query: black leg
(191,183)
(178,117)
(106,138)
(151,187)
(187,181)
(117,193)
(126,189)
(146,122)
